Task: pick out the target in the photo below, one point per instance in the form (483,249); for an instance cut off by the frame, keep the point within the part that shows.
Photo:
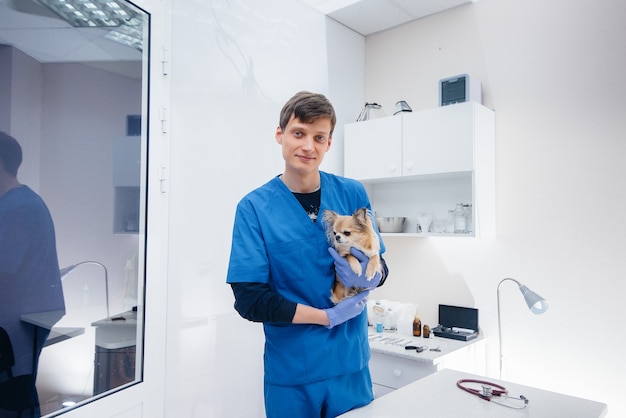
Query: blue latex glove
(347,276)
(347,309)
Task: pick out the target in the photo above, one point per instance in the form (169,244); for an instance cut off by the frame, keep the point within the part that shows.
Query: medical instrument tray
(457,323)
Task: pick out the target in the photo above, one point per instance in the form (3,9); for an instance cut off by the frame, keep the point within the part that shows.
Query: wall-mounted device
(459,89)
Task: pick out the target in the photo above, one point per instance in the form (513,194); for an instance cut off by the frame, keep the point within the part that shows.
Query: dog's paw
(371,271)
(355,265)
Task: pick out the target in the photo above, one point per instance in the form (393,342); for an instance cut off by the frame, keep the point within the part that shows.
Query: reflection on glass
(74,93)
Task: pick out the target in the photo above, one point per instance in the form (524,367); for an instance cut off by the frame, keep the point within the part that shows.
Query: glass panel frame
(69,95)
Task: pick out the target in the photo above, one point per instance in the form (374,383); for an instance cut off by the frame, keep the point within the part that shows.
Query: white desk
(392,344)
(116,341)
(437,396)
(393,367)
(47,320)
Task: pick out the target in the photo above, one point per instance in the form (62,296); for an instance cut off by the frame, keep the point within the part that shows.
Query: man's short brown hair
(308,107)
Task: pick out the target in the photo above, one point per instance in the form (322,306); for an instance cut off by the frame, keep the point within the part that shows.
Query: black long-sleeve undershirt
(258,303)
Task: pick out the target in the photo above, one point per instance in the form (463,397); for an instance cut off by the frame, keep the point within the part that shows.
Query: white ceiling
(371,16)
(41,34)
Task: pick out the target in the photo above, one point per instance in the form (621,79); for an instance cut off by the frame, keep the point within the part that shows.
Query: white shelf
(423,235)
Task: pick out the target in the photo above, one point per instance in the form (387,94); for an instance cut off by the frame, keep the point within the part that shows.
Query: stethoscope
(488,392)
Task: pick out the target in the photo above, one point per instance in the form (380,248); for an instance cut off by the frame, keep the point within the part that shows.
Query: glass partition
(73,92)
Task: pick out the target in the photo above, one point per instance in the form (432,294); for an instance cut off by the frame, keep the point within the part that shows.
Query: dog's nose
(337,237)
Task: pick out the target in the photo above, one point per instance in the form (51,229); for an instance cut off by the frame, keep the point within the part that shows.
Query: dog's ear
(360,216)
(330,217)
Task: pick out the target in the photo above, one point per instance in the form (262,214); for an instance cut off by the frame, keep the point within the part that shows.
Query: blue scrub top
(29,270)
(275,242)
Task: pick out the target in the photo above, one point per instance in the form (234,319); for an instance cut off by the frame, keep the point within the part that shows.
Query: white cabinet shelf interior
(436,194)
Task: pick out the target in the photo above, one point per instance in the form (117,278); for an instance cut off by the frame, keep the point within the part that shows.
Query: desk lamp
(536,304)
(66,270)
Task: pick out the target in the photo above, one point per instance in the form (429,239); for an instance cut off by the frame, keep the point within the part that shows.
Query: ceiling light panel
(92,13)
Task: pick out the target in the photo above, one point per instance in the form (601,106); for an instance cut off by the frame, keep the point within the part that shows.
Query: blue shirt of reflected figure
(29,273)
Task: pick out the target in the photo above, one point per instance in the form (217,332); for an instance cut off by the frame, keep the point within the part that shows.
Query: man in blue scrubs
(281,271)
(29,270)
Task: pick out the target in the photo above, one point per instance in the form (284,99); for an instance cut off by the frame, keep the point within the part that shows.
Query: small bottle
(459,219)
(426,332)
(469,218)
(379,313)
(417,326)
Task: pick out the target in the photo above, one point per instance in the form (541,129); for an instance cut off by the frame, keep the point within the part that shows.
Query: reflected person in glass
(281,272)
(29,269)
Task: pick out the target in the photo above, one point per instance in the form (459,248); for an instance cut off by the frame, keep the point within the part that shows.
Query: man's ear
(279,135)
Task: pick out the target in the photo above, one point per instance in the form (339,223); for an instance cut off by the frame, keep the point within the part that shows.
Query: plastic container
(379,316)
(390,321)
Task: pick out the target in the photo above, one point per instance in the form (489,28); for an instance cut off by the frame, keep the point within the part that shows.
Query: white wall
(248,59)
(78,132)
(67,139)
(21,92)
(550,71)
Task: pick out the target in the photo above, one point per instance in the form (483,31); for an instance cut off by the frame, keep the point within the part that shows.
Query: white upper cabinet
(127,161)
(428,160)
(373,149)
(439,140)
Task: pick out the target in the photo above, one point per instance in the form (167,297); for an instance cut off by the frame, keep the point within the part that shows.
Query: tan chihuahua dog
(357,230)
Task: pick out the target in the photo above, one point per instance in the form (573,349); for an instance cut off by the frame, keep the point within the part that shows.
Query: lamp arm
(500,322)
(536,304)
(67,270)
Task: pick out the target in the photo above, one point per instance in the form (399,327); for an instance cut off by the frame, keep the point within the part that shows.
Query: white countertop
(436,396)
(393,343)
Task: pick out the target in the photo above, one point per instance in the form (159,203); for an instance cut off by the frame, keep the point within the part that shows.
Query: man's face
(304,144)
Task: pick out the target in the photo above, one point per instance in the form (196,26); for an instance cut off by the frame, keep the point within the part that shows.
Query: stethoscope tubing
(488,392)
(501,390)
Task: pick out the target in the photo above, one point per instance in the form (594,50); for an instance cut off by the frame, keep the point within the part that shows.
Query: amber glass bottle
(417,326)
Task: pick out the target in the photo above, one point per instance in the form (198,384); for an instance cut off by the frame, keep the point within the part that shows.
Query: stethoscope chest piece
(490,390)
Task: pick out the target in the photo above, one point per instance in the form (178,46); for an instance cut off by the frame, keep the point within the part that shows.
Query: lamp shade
(536,303)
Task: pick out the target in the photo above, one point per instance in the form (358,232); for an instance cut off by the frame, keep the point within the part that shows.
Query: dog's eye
(346,233)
